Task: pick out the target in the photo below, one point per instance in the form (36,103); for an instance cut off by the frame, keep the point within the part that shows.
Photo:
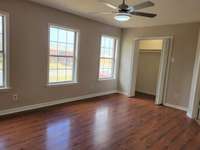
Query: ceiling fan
(124,11)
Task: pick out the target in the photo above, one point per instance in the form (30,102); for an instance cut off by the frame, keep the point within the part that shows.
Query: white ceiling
(169,11)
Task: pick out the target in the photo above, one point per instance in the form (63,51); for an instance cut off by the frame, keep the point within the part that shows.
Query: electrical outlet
(15,97)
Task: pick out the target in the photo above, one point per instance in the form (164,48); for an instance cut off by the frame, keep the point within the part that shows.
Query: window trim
(6,48)
(76,56)
(115,58)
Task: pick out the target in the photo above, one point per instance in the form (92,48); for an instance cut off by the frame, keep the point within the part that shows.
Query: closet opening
(151,59)
(148,67)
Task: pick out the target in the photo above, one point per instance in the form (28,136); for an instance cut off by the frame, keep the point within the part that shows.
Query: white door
(162,76)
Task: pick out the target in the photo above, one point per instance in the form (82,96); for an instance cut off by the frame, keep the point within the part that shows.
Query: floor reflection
(198,121)
(58,133)
(2,144)
(101,125)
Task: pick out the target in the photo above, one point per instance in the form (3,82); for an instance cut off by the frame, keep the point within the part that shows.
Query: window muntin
(62,55)
(107,57)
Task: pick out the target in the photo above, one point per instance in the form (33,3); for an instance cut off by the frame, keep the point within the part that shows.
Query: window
(107,57)
(3,53)
(62,55)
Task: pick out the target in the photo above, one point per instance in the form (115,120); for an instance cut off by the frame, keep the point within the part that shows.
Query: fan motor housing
(124,7)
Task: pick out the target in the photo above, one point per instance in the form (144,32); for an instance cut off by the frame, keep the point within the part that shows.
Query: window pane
(70,63)
(1,69)
(53,34)
(62,36)
(53,48)
(107,47)
(108,53)
(53,75)
(105,73)
(62,63)
(70,49)
(69,75)
(70,37)
(62,75)
(111,43)
(105,68)
(62,49)
(53,64)
(106,63)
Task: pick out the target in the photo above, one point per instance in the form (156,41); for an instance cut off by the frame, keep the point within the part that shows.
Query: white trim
(169,60)
(133,68)
(195,86)
(6,51)
(6,89)
(161,88)
(52,103)
(56,84)
(189,115)
(176,106)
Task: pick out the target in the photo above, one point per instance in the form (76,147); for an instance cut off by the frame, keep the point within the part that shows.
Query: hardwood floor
(198,121)
(112,122)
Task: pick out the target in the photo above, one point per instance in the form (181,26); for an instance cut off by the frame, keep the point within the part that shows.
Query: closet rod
(149,51)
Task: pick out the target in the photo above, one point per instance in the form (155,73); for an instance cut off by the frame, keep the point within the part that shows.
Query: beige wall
(184,48)
(29,49)
(147,75)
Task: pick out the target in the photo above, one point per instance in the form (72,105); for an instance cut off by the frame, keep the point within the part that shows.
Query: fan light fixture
(122,17)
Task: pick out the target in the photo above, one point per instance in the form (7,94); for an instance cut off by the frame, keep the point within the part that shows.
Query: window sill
(4,89)
(61,84)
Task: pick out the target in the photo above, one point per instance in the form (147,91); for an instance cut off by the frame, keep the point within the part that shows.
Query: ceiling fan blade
(109,4)
(143,14)
(143,5)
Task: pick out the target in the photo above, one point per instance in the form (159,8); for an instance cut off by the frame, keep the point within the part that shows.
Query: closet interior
(148,66)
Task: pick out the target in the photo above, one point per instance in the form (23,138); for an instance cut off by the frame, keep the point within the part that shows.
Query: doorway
(150,66)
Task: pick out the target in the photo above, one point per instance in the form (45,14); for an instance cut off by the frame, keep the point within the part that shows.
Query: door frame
(166,55)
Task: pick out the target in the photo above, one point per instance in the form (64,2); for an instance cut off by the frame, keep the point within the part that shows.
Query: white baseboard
(175,106)
(51,103)
(189,115)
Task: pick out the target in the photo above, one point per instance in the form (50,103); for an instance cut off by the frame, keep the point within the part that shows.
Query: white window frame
(115,58)
(6,82)
(76,58)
